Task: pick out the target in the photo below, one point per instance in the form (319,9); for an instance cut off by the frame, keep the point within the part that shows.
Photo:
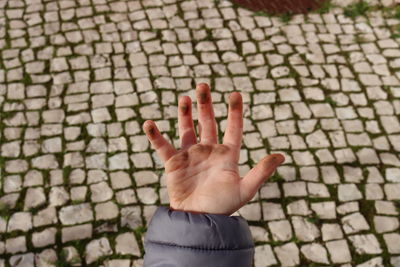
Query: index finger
(163,148)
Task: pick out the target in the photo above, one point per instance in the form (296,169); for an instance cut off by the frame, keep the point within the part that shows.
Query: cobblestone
(77,82)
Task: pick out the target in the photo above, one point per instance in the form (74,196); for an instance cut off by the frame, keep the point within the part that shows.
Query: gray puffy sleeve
(186,239)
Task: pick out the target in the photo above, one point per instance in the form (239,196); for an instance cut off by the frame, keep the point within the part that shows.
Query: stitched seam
(194,248)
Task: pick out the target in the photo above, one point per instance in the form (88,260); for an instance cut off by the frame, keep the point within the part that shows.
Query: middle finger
(206,115)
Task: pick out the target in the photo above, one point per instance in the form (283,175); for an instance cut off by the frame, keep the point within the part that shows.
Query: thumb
(257,175)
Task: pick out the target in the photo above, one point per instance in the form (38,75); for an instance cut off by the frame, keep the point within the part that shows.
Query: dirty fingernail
(203,98)
(151,130)
(184,109)
(234,104)
(278,159)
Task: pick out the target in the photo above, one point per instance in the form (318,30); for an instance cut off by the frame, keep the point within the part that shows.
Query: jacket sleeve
(184,239)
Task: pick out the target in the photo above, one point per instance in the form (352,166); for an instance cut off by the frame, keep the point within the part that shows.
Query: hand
(204,177)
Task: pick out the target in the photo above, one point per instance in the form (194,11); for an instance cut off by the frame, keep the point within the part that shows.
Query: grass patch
(276,178)
(397,204)
(397,13)
(293,74)
(8,115)
(66,172)
(357,9)
(325,7)
(62,260)
(2,160)
(27,79)
(367,209)
(140,230)
(315,220)
(80,246)
(396,33)
(261,13)
(5,211)
(286,17)
(360,39)
(330,101)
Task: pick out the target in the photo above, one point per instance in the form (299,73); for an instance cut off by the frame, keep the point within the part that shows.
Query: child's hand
(204,177)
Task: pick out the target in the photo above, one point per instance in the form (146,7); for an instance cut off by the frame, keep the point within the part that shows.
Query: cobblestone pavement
(79,180)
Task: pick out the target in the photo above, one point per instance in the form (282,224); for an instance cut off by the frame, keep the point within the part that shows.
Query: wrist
(177,207)
(194,211)
(186,210)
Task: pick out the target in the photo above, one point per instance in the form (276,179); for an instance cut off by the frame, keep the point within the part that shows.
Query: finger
(206,115)
(187,134)
(256,176)
(163,148)
(234,128)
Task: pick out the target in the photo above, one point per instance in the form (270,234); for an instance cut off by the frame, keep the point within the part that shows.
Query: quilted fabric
(179,239)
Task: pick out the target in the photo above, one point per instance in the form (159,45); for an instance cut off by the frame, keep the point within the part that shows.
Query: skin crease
(203,176)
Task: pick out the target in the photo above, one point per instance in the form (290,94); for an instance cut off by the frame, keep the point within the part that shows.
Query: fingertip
(273,161)
(235,100)
(236,93)
(202,85)
(148,127)
(181,98)
(184,105)
(278,159)
(146,124)
(184,99)
(203,93)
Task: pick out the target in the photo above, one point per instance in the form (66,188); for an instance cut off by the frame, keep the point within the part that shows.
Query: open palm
(204,177)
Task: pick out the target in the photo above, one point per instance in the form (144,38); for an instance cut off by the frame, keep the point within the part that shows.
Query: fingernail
(203,98)
(152,131)
(276,160)
(234,104)
(184,109)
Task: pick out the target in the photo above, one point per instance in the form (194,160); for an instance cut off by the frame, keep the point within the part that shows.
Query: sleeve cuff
(200,231)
